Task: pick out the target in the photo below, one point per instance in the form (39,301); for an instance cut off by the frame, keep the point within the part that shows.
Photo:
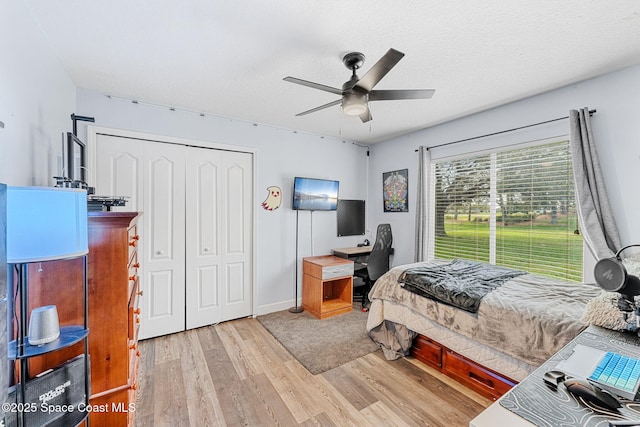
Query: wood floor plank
(167,348)
(237,374)
(273,409)
(327,397)
(146,391)
(232,341)
(170,407)
(381,415)
(320,420)
(400,392)
(351,388)
(197,380)
(206,410)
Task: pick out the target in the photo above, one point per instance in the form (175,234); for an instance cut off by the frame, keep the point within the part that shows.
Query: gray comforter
(529,317)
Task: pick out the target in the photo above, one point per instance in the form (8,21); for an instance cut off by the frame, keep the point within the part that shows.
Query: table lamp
(43,224)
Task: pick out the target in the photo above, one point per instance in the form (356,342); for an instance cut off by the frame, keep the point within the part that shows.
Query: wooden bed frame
(484,381)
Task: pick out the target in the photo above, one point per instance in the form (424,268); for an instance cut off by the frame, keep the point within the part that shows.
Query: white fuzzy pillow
(603,311)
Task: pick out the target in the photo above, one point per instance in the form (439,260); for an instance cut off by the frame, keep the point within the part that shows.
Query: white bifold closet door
(196,225)
(219,223)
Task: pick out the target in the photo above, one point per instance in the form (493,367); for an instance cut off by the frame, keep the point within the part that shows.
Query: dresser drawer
(427,351)
(134,312)
(133,238)
(133,277)
(333,271)
(476,377)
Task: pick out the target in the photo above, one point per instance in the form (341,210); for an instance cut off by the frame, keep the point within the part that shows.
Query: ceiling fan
(357,92)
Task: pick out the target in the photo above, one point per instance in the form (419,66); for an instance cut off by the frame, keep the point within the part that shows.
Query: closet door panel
(237,222)
(160,286)
(164,246)
(235,276)
(203,293)
(119,171)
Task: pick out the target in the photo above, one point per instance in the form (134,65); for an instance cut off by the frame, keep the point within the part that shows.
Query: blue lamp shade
(45,224)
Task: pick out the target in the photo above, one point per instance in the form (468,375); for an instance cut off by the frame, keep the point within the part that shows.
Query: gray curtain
(422,211)
(596,219)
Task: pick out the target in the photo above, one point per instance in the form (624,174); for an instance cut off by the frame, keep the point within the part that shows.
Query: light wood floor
(237,374)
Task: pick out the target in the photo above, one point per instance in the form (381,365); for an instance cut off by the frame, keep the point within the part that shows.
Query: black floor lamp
(296,308)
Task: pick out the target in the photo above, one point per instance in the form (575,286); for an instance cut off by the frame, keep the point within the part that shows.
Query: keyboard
(618,374)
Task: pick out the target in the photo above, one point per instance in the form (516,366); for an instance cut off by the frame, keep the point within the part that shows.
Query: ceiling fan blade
(322,107)
(366,116)
(391,95)
(313,85)
(379,70)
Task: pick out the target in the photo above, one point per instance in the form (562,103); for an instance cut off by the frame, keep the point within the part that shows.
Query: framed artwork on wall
(395,191)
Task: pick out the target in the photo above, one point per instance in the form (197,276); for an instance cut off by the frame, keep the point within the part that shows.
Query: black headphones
(611,276)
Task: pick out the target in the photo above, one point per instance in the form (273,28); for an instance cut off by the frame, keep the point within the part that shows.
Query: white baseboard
(270,308)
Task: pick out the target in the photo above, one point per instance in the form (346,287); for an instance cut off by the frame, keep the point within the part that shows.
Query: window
(513,208)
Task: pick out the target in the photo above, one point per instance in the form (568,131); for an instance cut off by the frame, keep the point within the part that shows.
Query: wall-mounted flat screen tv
(312,194)
(350,217)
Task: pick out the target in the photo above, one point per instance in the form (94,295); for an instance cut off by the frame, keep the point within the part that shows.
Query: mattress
(517,327)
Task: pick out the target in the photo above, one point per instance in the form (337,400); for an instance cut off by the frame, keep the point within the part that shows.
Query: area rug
(320,345)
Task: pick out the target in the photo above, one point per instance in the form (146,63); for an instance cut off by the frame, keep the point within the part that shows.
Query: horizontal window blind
(512,208)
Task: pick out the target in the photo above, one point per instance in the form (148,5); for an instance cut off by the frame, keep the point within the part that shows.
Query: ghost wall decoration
(273,200)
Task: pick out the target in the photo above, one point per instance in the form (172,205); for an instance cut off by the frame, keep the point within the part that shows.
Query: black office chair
(377,264)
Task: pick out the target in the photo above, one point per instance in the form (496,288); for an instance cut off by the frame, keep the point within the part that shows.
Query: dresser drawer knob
(140,293)
(136,265)
(132,278)
(133,243)
(133,346)
(137,310)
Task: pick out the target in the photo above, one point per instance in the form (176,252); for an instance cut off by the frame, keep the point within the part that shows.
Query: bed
(517,325)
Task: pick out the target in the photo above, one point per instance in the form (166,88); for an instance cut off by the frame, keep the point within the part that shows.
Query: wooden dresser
(114,316)
(114,290)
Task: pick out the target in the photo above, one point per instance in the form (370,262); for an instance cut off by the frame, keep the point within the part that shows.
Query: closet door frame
(94,131)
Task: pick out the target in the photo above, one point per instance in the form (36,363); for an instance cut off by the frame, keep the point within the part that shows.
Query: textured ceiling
(228,58)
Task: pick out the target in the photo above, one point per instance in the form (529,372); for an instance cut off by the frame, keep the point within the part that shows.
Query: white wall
(37,99)
(281,155)
(616,125)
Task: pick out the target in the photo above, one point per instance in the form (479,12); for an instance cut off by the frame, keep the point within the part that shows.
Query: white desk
(497,415)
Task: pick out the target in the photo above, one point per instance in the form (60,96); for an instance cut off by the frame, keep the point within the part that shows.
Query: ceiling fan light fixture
(354,104)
